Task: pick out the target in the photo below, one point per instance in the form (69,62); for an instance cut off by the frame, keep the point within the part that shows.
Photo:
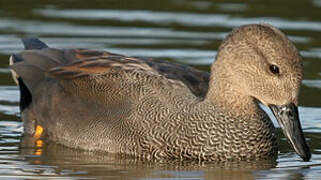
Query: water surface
(184,31)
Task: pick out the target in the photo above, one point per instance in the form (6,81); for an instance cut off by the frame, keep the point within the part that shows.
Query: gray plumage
(152,109)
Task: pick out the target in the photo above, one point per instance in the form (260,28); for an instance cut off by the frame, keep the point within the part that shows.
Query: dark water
(178,30)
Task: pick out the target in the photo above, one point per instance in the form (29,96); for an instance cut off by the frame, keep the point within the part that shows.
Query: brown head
(259,62)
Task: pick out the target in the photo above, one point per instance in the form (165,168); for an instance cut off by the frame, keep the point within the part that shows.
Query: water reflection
(96,164)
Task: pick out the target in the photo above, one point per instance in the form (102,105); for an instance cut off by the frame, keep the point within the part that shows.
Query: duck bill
(288,118)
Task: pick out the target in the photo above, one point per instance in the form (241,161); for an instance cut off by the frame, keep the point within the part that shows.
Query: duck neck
(228,96)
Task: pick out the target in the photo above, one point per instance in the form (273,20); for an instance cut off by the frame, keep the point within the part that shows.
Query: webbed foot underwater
(152,109)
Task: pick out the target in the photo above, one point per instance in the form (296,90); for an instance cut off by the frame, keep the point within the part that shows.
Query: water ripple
(186,19)
(38,27)
(9,94)
(312,83)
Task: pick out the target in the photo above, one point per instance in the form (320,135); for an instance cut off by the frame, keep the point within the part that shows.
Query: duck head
(263,64)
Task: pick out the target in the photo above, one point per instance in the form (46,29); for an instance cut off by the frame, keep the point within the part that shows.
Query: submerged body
(156,110)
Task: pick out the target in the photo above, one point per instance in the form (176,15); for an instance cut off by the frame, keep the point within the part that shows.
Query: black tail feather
(33,43)
(25,95)
(28,68)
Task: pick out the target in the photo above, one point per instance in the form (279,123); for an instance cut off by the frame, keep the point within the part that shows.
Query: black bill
(288,118)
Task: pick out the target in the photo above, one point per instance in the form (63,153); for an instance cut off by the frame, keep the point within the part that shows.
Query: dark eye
(274,69)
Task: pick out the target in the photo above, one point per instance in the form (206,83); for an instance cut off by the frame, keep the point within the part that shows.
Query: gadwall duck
(150,109)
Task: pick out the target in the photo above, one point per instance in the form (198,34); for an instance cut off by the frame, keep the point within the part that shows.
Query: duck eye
(274,69)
